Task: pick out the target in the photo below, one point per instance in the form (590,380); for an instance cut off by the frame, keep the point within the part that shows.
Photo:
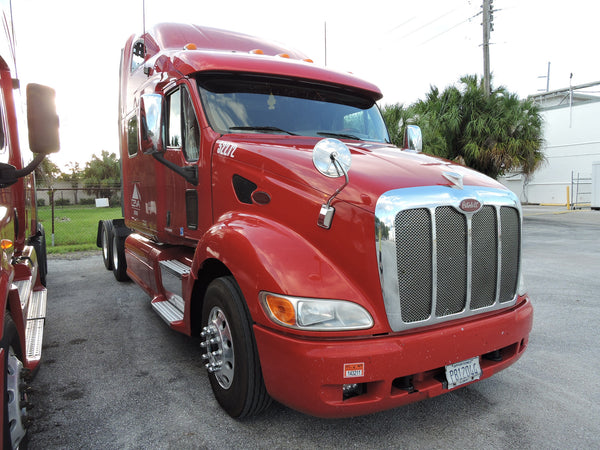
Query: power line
(451,28)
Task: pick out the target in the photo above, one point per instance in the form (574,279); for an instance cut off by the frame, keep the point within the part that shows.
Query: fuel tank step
(34,330)
(170,310)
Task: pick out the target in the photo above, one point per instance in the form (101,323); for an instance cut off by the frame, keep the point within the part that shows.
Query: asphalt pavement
(115,376)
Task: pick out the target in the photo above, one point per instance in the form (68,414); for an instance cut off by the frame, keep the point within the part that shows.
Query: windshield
(242,104)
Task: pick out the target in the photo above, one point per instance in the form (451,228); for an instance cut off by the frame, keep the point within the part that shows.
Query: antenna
(144,20)
(12,38)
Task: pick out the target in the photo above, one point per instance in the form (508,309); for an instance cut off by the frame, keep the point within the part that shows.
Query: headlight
(315,314)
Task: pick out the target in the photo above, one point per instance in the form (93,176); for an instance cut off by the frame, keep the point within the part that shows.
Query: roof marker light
(257,51)
(190,46)
(283,55)
(308,60)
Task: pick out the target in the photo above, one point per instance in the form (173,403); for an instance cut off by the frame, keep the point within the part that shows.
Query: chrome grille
(438,262)
(484,256)
(450,260)
(511,231)
(413,253)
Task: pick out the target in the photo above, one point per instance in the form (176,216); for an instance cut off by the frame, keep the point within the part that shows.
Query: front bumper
(308,375)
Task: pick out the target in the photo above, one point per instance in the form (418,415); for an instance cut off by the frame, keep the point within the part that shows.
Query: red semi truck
(23,269)
(266,211)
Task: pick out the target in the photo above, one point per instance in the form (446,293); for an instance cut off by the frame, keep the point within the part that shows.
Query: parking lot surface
(115,376)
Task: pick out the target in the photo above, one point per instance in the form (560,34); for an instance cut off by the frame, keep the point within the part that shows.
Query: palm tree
(493,134)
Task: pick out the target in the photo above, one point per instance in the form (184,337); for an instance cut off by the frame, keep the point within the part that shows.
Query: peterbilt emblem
(470,205)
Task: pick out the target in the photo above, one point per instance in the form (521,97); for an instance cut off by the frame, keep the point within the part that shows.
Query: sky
(402,46)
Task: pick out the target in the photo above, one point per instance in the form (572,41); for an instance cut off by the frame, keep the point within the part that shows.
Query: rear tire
(15,413)
(230,351)
(119,265)
(39,244)
(106,236)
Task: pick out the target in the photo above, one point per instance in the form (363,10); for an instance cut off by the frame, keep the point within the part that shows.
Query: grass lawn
(75,227)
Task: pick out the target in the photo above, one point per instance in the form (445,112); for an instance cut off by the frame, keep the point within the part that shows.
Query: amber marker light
(283,55)
(190,46)
(281,309)
(6,244)
(257,51)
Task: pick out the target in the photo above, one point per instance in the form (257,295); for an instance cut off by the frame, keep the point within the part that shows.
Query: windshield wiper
(340,135)
(273,129)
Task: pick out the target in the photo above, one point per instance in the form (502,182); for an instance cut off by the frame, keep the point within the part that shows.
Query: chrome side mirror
(42,119)
(151,111)
(413,139)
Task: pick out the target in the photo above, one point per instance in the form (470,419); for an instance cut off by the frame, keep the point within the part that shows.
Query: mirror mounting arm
(9,174)
(189,173)
(327,211)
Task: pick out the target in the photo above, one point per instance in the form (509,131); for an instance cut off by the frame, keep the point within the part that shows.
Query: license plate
(463,372)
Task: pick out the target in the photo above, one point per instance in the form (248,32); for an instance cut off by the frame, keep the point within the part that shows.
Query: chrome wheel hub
(217,342)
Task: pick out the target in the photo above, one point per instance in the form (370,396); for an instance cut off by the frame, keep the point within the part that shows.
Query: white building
(571,146)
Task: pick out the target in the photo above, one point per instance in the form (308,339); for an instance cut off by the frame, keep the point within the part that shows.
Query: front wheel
(15,413)
(230,351)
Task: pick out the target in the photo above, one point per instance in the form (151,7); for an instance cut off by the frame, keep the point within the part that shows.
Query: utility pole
(487,29)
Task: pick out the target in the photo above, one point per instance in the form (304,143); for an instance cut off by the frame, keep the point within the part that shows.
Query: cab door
(183,148)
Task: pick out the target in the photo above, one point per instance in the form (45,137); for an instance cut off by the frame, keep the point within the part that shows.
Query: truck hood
(375,169)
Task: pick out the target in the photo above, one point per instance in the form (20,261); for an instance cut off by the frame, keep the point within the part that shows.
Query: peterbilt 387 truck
(23,266)
(266,211)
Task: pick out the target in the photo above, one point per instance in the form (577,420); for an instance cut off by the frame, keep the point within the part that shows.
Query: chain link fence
(70,215)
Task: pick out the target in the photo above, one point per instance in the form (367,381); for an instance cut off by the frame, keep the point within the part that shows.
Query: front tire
(15,413)
(230,351)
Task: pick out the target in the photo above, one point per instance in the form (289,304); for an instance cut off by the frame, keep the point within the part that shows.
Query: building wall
(572,145)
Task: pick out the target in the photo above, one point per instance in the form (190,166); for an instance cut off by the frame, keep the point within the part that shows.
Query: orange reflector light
(257,51)
(190,46)
(283,55)
(6,244)
(282,309)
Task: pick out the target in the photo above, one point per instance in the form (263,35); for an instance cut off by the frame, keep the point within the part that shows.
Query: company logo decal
(135,200)
(470,205)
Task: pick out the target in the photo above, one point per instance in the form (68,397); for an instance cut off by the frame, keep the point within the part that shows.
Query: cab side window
(138,54)
(174,137)
(183,128)
(132,136)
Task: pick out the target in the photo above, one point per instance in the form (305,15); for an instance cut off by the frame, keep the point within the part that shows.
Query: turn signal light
(282,309)
(6,244)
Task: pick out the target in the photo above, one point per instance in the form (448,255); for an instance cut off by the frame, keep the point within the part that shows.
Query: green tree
(47,172)
(73,177)
(493,134)
(102,175)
